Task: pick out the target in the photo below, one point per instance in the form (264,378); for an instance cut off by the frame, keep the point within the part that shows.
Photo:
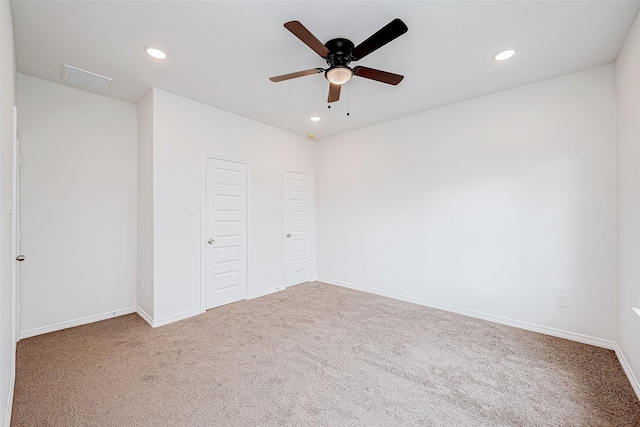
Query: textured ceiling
(221,53)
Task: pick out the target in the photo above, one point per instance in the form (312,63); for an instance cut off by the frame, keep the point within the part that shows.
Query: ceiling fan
(340,52)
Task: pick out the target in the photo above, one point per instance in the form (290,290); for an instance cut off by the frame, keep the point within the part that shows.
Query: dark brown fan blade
(381,76)
(301,32)
(391,31)
(334,92)
(296,74)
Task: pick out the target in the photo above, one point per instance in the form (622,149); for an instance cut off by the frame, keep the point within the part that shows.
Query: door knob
(211,241)
(20,258)
(288,234)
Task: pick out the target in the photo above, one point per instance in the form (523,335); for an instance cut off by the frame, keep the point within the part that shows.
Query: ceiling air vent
(85,78)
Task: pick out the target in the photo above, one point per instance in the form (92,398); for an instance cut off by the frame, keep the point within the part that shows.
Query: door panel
(226,233)
(297,227)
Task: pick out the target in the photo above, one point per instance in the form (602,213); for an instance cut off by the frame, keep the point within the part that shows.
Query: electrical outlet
(266,270)
(563,300)
(328,263)
(142,284)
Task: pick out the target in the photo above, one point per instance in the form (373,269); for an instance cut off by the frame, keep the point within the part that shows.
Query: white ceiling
(221,53)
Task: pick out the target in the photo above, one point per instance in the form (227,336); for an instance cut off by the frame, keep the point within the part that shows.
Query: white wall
(78,206)
(145,207)
(184,131)
(628,109)
(493,205)
(7,316)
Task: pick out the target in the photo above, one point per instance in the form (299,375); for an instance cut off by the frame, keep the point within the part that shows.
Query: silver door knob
(288,234)
(20,258)
(211,241)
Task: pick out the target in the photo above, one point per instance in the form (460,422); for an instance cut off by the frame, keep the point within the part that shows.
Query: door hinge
(19,234)
(19,161)
(18,309)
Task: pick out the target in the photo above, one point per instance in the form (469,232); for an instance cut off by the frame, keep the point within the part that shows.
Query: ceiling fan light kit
(339,53)
(339,75)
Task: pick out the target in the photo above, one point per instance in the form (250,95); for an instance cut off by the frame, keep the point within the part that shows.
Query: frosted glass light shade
(339,75)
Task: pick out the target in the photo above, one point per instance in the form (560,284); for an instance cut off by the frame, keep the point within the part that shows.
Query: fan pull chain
(348,101)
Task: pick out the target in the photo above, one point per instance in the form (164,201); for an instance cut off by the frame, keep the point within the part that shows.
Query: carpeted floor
(317,355)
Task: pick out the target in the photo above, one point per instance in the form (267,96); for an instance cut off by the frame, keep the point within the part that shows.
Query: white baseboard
(108,315)
(76,322)
(176,317)
(265,292)
(627,370)
(12,382)
(585,339)
(140,312)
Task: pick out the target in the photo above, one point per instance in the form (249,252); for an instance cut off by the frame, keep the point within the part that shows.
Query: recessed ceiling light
(315,119)
(155,52)
(504,54)
(311,135)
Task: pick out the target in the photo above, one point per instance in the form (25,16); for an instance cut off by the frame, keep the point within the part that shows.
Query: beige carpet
(317,355)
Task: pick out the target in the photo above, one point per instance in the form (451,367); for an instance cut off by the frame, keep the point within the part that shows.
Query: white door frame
(312,224)
(203,225)
(15,223)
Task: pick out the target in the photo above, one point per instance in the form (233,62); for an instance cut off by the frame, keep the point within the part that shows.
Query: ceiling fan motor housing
(339,52)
